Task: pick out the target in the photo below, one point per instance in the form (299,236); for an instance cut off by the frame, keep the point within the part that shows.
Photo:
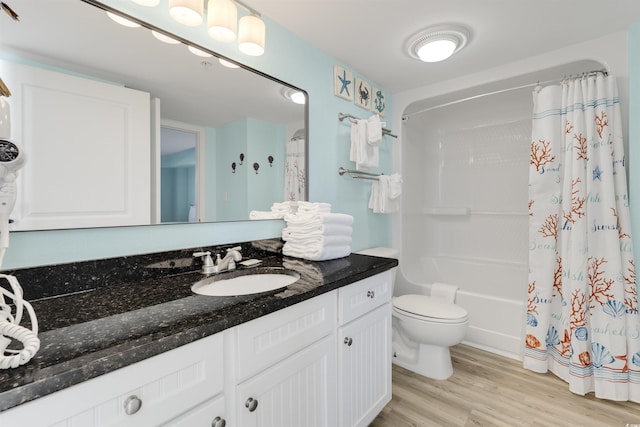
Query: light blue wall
(287,58)
(634,135)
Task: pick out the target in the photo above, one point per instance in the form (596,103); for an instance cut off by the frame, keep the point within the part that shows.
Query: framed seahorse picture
(362,95)
(378,101)
(343,85)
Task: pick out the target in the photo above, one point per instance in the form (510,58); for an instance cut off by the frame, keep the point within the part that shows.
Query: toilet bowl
(424,327)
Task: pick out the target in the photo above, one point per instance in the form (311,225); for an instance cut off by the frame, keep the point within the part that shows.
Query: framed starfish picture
(343,85)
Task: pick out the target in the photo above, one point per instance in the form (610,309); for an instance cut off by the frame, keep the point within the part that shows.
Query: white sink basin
(253,282)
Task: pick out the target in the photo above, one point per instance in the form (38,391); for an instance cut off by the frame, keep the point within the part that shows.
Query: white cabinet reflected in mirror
(102,112)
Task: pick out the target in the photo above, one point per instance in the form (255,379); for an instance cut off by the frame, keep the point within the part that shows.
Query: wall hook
(256,166)
(241,157)
(233,167)
(270,158)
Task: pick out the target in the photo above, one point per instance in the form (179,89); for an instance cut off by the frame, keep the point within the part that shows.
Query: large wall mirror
(121,128)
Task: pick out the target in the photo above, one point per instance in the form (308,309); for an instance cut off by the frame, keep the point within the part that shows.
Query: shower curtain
(582,306)
(294,169)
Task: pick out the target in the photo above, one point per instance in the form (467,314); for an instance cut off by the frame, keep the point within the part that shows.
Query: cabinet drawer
(205,415)
(167,385)
(363,296)
(265,341)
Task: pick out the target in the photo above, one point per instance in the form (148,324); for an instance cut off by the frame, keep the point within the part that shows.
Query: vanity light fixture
(228,64)
(199,52)
(123,21)
(148,3)
(222,20)
(251,35)
(436,44)
(164,38)
(187,12)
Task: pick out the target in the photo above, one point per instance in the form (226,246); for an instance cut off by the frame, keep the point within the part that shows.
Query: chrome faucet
(228,263)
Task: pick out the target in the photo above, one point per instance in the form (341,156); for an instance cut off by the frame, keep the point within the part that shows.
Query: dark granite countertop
(98,316)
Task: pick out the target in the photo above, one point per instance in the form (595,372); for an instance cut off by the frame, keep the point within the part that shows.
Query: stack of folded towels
(315,233)
(278,211)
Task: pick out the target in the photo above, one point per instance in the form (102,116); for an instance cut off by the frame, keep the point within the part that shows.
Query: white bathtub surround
(317,236)
(582,306)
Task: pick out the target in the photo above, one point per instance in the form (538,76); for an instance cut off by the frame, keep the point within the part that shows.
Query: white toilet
(424,328)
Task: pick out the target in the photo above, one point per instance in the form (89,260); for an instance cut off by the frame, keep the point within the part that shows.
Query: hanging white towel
(374,130)
(385,193)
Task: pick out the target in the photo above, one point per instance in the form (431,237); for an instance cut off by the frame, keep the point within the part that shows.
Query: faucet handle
(237,248)
(207,262)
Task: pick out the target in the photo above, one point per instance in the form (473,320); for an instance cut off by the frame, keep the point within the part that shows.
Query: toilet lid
(427,306)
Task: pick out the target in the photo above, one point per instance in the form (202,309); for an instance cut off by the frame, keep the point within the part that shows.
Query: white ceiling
(368,36)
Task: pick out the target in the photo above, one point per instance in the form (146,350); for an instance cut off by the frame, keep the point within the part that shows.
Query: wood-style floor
(491,390)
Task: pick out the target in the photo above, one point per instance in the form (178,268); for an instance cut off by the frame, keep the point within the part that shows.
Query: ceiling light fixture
(187,12)
(228,64)
(199,52)
(294,95)
(123,21)
(222,20)
(148,3)
(437,43)
(251,35)
(164,38)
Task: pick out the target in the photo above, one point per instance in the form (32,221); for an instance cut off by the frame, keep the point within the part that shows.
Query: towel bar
(342,116)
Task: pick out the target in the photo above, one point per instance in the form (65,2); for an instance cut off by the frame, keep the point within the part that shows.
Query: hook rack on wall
(342,116)
(358,174)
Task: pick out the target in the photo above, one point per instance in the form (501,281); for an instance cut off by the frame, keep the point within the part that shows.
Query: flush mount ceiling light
(437,43)
(294,95)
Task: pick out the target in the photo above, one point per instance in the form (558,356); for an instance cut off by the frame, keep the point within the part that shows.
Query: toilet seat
(429,309)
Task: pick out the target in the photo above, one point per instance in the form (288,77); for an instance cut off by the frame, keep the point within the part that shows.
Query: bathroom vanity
(140,348)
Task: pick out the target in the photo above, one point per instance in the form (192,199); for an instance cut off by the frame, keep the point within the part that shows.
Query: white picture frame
(362,93)
(343,85)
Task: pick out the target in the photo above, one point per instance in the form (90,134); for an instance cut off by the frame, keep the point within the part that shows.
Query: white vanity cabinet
(148,393)
(364,353)
(323,362)
(286,365)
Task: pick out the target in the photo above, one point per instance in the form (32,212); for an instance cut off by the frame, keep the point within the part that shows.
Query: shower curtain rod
(406,117)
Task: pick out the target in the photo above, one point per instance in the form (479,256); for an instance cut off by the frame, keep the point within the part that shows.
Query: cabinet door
(209,414)
(364,367)
(87,145)
(299,391)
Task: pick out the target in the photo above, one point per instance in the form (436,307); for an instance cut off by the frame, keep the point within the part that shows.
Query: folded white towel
(286,207)
(318,219)
(266,215)
(301,231)
(319,253)
(314,241)
(314,207)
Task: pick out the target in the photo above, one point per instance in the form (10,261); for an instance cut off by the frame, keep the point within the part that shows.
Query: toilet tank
(385,253)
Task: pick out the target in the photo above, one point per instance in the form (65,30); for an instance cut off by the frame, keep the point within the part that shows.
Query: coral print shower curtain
(582,310)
